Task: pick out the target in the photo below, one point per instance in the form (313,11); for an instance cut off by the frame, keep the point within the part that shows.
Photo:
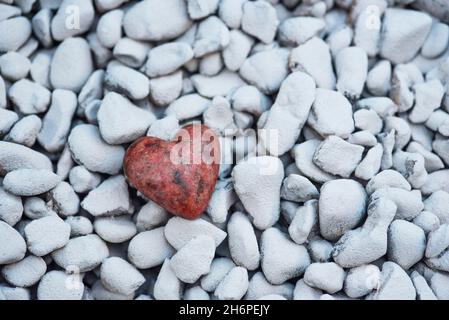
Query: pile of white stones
(351,202)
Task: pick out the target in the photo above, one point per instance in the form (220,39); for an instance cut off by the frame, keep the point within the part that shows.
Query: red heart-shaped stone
(178,175)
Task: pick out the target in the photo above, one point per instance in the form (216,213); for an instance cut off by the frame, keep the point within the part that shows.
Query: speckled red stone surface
(178,175)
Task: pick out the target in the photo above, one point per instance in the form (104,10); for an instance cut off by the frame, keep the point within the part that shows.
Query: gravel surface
(333,122)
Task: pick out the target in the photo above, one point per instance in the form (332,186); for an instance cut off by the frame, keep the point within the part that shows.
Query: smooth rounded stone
(423,290)
(99,292)
(437,180)
(439,285)
(194,259)
(379,77)
(188,106)
(110,198)
(320,250)
(115,229)
(400,41)
(234,285)
(15,32)
(427,221)
(342,205)
(26,272)
(12,245)
(71,65)
(362,280)
(282,259)
(54,286)
(221,200)
(242,241)
(409,203)
(46,234)
(349,156)
(41,24)
(167,285)
(297,30)
(121,121)
(9,11)
(90,150)
(74,17)
(220,85)
(179,231)
(327,276)
(40,68)
(119,276)
(150,216)
(406,243)
(165,90)
(155,20)
(8,293)
(65,163)
(441,149)
(64,200)
(199,9)
(438,241)
(57,121)
(259,287)
(30,182)
(29,97)
(289,113)
(412,166)
(219,116)
(365,139)
(304,292)
(432,162)
(218,270)
(82,253)
(304,222)
(394,284)
(257,182)
(25,131)
(369,242)
(383,106)
(331,118)
(230,12)
(436,42)
(437,204)
(127,81)
(339,39)
(266,69)
(149,249)
(249,99)
(14,66)
(167,58)
(303,154)
(387,179)
(235,54)
(131,52)
(314,58)
(82,180)
(351,65)
(91,91)
(422,135)
(370,165)
(212,35)
(260,20)
(11,208)
(195,293)
(298,188)
(79,226)
(36,208)
(109,28)
(101,54)
(211,64)
(367,119)
(7,120)
(428,96)
(164,128)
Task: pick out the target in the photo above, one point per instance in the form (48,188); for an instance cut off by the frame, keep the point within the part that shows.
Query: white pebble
(118,276)
(30,182)
(12,245)
(47,234)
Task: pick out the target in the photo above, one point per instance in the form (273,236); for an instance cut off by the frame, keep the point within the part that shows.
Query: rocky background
(351,201)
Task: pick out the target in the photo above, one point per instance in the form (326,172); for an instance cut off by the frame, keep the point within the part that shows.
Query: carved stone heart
(178,175)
